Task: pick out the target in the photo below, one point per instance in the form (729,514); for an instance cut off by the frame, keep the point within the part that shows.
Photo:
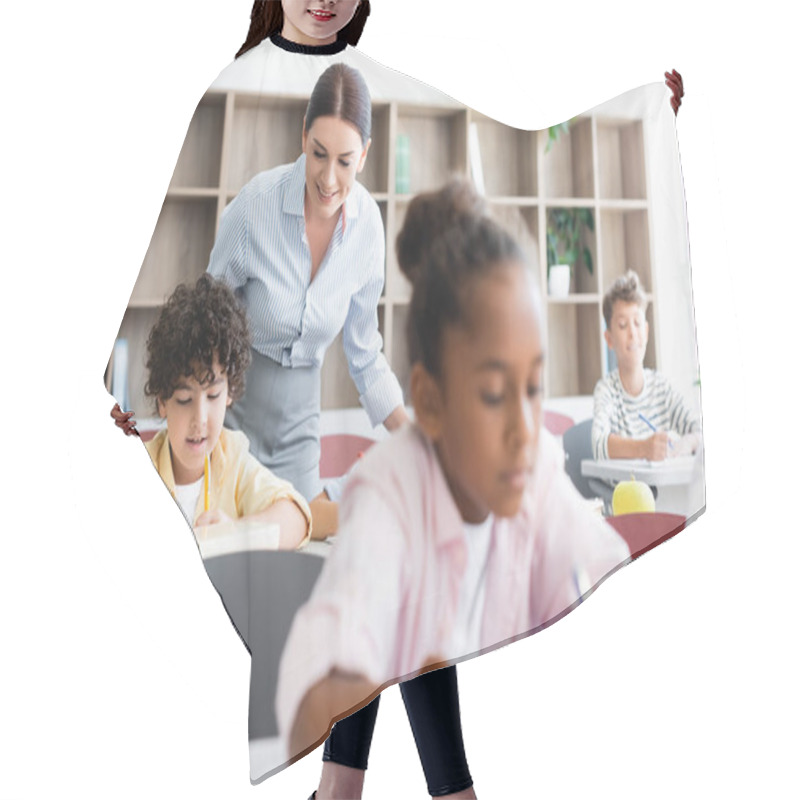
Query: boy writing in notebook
(637,413)
(197,355)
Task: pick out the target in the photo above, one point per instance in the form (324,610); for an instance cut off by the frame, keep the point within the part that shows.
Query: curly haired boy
(197,355)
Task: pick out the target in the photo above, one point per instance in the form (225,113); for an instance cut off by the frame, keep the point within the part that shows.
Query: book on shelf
(117,382)
(475,163)
(609,356)
(403,164)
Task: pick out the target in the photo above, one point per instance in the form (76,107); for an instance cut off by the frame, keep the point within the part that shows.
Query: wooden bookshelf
(599,164)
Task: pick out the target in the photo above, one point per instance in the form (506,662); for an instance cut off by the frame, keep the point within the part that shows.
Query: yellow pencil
(206,479)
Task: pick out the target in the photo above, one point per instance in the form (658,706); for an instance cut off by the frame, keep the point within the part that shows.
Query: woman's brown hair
(341,92)
(266,19)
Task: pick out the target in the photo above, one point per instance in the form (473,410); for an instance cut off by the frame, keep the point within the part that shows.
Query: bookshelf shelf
(199,161)
(598,164)
(572,299)
(190,193)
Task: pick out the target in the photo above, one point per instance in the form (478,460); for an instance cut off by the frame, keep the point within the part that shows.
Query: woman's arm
(379,390)
(396,419)
(229,255)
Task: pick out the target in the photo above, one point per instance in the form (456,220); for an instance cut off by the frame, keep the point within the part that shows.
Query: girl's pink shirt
(385,603)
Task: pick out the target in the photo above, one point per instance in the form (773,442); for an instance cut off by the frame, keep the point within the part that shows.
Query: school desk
(261,588)
(680,481)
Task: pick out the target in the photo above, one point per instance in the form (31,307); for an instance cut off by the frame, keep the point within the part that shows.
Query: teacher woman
(303,246)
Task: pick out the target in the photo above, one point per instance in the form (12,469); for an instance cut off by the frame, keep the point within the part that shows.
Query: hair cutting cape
(381,600)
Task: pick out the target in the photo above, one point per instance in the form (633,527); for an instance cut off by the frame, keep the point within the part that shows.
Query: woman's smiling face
(315,22)
(335,154)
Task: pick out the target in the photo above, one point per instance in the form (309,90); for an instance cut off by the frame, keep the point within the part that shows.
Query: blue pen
(650,425)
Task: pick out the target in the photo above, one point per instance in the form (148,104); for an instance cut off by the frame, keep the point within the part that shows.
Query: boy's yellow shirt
(240,485)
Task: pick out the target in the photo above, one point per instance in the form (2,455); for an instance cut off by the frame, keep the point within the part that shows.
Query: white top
(187,496)
(270,69)
(467,630)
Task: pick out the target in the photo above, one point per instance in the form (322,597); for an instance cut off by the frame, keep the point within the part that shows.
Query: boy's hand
(124,420)
(656,447)
(211,517)
(686,445)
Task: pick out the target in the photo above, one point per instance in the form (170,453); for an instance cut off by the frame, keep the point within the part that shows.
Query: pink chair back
(557,423)
(339,452)
(643,532)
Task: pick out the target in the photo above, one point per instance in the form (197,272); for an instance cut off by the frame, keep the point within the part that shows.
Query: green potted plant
(565,251)
(554,133)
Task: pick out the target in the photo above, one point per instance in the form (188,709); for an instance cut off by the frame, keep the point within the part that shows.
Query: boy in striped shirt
(637,413)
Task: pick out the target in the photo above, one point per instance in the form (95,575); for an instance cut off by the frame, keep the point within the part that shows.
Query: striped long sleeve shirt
(261,252)
(615,411)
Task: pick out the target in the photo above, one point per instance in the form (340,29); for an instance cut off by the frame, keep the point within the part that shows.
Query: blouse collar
(309,49)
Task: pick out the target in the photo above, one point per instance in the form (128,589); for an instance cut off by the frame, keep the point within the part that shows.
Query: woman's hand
(396,419)
(124,420)
(324,515)
(675,83)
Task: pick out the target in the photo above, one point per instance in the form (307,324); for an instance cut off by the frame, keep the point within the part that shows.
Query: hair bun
(430,217)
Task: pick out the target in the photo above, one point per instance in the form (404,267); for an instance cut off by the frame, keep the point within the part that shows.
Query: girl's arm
(345,639)
(576,547)
(329,698)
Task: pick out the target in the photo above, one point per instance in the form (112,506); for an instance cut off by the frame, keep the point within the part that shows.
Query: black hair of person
(625,289)
(342,92)
(447,243)
(198,325)
(266,19)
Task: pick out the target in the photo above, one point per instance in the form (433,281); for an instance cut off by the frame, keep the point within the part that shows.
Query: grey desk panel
(262,591)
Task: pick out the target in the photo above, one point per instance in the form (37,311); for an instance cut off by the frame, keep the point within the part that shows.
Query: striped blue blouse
(262,253)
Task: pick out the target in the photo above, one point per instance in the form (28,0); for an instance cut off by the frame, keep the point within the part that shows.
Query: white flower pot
(558,280)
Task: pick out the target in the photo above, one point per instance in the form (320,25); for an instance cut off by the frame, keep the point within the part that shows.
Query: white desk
(244,536)
(680,481)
